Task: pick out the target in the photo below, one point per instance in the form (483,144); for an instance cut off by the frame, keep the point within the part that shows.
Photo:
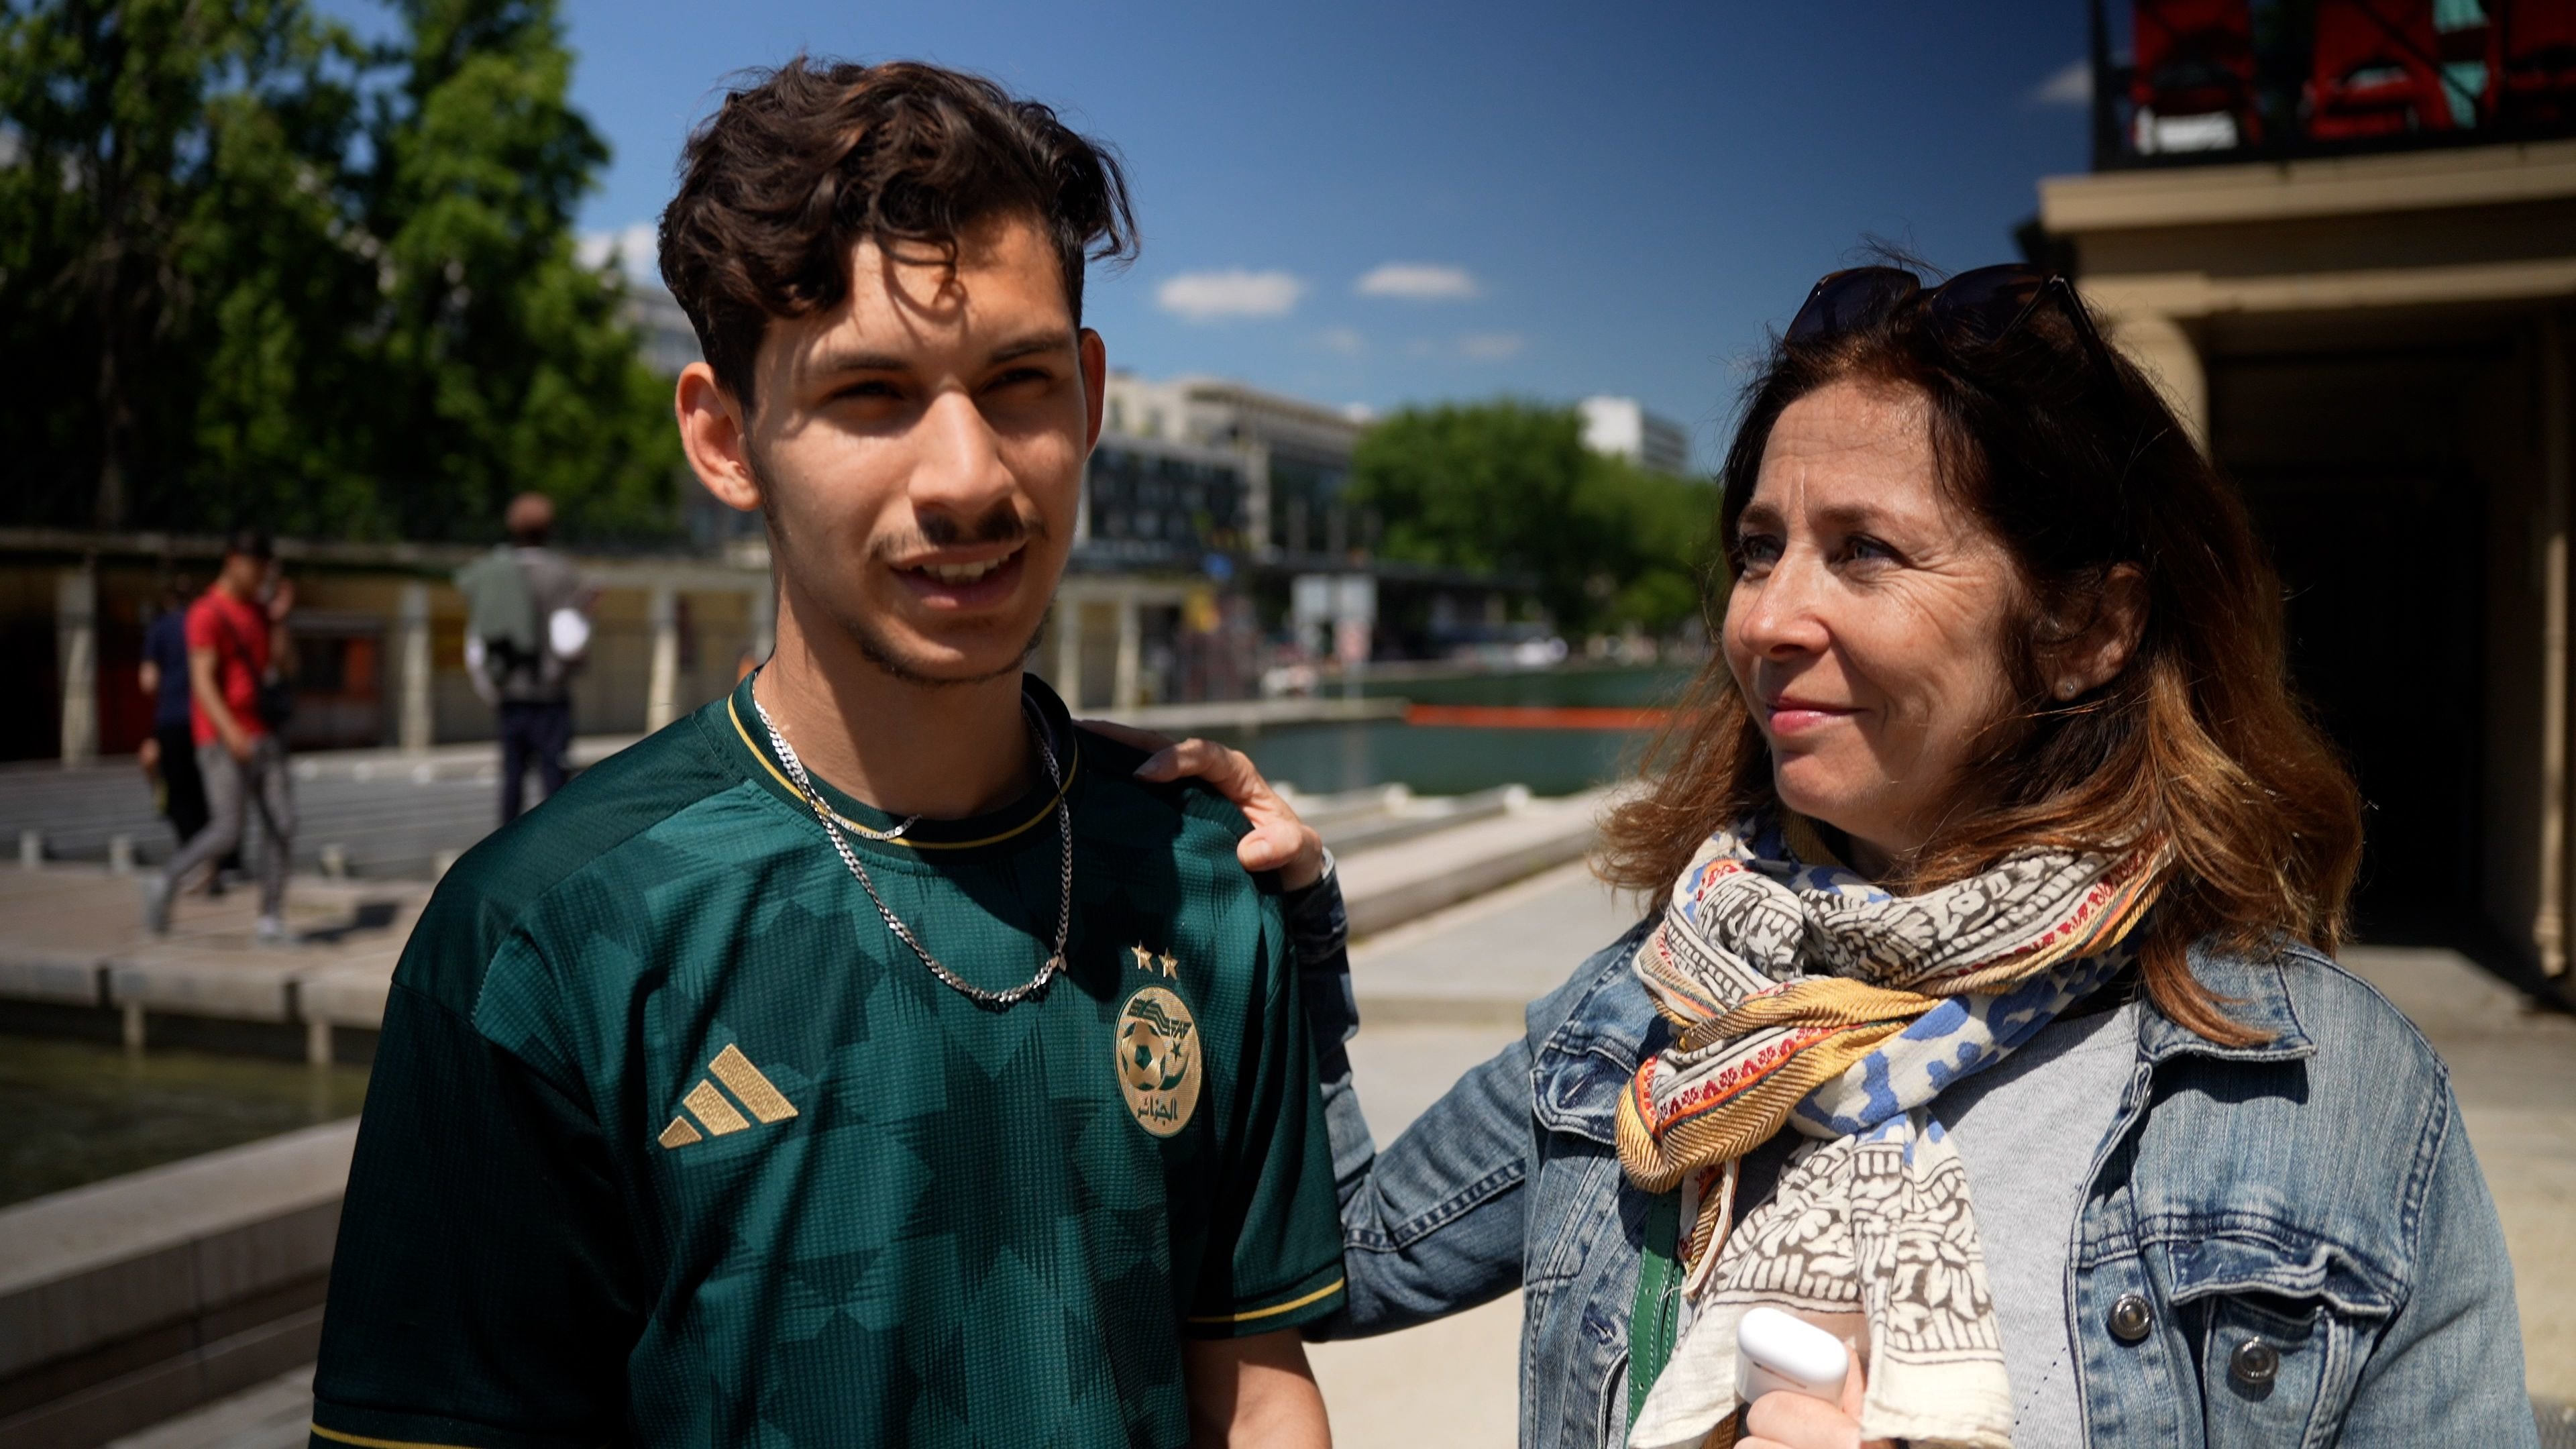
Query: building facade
(1620,427)
(2374,333)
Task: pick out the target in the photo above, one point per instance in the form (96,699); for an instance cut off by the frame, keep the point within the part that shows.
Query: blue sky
(1574,199)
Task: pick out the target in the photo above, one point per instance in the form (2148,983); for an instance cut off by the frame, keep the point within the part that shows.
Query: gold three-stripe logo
(716,1112)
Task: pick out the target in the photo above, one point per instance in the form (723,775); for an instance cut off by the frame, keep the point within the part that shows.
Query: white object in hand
(568,632)
(1776,1351)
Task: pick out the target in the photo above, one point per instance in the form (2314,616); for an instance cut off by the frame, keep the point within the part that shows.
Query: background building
(1622,428)
(2361,292)
(1206,501)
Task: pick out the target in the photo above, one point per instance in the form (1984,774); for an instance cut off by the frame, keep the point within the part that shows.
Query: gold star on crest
(1144,958)
(1171,965)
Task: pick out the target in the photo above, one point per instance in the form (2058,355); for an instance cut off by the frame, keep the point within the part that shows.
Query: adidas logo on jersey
(716,1112)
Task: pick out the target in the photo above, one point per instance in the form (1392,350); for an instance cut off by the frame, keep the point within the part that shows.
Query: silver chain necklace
(833,826)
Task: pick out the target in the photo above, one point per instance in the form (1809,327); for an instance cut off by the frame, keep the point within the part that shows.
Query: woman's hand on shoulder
(1279,840)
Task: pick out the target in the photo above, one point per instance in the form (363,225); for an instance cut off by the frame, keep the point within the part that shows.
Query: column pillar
(2159,345)
(1127,688)
(76,655)
(1068,649)
(2549,927)
(662,686)
(414,730)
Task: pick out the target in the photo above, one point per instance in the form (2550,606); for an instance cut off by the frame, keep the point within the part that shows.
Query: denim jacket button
(2254,1363)
(2131,1318)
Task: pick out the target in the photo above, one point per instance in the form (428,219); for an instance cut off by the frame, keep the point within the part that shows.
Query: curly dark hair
(808,160)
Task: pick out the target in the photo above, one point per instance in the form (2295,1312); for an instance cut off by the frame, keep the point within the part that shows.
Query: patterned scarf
(1804,996)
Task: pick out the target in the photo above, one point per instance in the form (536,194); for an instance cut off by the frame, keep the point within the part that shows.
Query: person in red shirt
(236,639)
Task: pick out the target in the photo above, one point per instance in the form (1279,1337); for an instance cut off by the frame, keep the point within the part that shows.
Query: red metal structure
(2531,61)
(2196,58)
(2377,70)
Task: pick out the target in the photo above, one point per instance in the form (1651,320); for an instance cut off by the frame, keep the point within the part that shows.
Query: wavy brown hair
(810,159)
(2079,466)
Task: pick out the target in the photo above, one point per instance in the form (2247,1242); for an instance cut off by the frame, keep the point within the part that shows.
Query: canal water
(79,1111)
(1450,760)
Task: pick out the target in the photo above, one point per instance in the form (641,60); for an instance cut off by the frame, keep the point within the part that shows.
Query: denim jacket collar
(2252,992)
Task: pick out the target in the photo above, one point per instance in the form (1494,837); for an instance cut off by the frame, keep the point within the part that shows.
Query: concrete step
(128,1302)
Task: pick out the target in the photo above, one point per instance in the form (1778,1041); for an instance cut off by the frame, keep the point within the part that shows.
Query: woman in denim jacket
(1988,1017)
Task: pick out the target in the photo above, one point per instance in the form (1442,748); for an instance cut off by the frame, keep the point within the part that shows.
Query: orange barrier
(1535,716)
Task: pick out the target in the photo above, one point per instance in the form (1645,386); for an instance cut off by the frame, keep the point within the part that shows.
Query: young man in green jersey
(868,1058)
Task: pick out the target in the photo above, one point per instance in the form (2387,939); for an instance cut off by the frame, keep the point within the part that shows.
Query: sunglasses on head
(1983,305)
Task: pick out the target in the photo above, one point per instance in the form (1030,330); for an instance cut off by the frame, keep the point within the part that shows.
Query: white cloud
(2069,85)
(635,248)
(1491,346)
(1360,413)
(1418,282)
(1345,340)
(1211,296)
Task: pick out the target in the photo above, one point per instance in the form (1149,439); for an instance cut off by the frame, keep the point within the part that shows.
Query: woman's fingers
(1784,1420)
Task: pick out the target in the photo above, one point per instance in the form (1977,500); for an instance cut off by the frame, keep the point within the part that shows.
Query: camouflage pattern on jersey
(670,1139)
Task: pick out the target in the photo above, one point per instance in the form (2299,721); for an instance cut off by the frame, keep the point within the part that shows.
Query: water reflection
(80,1111)
(1440,760)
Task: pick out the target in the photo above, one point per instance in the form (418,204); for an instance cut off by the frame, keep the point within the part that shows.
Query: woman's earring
(2066,689)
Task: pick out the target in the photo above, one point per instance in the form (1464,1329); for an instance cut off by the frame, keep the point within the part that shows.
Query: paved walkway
(73,936)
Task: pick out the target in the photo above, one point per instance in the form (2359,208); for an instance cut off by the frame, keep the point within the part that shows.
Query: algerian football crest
(1158,1060)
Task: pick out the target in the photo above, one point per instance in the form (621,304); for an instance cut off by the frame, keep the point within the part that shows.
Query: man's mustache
(1003,524)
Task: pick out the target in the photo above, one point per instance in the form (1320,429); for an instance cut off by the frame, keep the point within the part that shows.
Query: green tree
(250,271)
(506,364)
(1509,486)
(130,133)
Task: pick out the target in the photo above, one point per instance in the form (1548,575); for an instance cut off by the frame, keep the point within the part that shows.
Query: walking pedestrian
(525,635)
(236,637)
(169,753)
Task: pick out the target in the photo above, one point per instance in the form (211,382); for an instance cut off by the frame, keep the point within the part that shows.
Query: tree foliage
(1509,486)
(252,271)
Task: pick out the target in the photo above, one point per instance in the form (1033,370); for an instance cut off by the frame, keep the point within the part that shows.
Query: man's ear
(713,432)
(1095,384)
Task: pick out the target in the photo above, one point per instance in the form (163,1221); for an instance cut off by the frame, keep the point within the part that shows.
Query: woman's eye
(1862,548)
(1757,550)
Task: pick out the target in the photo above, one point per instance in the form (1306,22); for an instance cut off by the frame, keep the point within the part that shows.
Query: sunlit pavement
(1437,997)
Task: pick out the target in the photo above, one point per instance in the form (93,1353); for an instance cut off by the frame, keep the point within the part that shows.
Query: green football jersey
(671,1140)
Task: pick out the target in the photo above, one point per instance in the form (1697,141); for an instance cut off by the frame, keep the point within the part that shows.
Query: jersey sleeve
(1274,1255)
(483,1292)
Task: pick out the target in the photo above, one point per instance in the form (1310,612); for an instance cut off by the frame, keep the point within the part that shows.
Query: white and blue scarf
(1804,996)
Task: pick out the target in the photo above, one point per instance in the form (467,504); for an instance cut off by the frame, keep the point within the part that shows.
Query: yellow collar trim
(1072,763)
